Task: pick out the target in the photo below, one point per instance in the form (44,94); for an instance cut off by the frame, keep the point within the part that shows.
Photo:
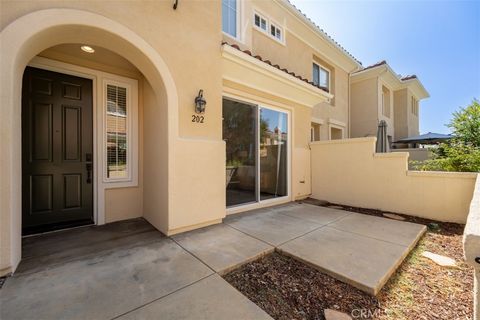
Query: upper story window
(229,17)
(268,27)
(386,102)
(414,106)
(275,32)
(321,76)
(260,22)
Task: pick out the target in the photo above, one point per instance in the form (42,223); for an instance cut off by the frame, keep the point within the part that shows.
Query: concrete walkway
(129,270)
(358,249)
(126,269)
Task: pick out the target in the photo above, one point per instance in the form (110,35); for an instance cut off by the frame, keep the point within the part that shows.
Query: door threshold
(58,230)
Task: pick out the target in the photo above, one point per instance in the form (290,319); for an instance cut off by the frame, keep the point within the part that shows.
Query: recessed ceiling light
(87,49)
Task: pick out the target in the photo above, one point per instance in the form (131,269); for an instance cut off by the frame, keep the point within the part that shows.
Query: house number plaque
(197,118)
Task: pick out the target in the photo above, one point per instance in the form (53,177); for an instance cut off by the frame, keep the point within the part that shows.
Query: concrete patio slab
(47,250)
(363,262)
(312,213)
(221,247)
(399,232)
(210,298)
(270,226)
(102,285)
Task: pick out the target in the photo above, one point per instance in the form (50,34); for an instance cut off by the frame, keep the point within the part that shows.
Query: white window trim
(132,132)
(269,21)
(320,66)
(335,126)
(97,77)
(241,97)
(318,121)
(239,35)
(275,25)
(255,13)
(312,131)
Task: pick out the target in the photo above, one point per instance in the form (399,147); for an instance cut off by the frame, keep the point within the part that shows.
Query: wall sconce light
(200,102)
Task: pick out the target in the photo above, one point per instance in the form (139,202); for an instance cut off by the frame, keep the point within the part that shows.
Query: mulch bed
(420,289)
(288,289)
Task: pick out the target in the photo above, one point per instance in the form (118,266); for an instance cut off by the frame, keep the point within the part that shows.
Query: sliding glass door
(257,152)
(240,135)
(273,153)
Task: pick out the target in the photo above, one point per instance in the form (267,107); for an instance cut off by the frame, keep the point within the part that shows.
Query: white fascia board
(417,88)
(355,64)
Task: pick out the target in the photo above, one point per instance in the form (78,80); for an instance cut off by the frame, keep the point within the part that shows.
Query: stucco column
(471,244)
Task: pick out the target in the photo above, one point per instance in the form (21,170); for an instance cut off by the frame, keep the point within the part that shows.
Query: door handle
(89,172)
(89,166)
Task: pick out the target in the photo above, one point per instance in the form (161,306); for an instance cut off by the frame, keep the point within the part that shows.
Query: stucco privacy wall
(471,244)
(349,172)
(148,35)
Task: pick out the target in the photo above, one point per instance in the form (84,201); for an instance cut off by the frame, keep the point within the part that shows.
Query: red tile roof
(383,62)
(380,63)
(409,77)
(275,66)
(324,33)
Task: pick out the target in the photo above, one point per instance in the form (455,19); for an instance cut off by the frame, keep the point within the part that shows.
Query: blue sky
(439,41)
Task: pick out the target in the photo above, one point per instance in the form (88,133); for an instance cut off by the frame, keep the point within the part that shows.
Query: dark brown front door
(57,151)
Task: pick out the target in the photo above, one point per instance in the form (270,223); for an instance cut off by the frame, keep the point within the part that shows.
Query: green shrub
(452,156)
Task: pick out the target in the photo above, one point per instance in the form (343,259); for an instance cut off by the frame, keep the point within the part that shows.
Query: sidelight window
(117,127)
(120,132)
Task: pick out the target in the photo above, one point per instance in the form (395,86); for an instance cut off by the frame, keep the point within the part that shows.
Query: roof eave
(356,64)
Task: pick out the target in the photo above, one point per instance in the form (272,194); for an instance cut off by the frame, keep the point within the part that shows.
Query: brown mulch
(288,289)
(420,289)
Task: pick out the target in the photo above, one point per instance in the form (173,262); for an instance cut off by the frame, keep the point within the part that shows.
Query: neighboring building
(378,93)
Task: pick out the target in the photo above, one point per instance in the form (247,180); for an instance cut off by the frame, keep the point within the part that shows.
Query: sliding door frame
(268,202)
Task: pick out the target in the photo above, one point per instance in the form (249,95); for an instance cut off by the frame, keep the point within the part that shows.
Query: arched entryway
(24,39)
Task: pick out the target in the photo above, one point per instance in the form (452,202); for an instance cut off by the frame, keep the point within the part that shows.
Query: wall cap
(345,141)
(392,155)
(442,174)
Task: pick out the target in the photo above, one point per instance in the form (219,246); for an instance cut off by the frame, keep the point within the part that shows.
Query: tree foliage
(452,156)
(461,153)
(465,124)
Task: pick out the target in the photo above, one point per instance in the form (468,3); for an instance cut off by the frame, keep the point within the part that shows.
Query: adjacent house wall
(301,48)
(417,154)
(400,98)
(413,120)
(349,172)
(364,108)
(388,115)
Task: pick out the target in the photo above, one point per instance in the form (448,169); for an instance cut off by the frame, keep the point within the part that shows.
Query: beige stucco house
(101,111)
(378,93)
